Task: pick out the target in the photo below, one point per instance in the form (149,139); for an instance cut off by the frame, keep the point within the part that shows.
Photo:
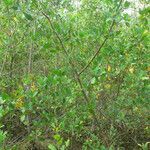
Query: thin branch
(72,64)
(73,67)
(58,37)
(60,40)
(102,45)
(3,64)
(70,61)
(97,52)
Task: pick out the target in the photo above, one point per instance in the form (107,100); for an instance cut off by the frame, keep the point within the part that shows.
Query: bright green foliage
(74,74)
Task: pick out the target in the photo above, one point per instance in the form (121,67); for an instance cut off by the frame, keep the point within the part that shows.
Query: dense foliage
(74,75)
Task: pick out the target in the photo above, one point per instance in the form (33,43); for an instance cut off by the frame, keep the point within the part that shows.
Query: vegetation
(74,75)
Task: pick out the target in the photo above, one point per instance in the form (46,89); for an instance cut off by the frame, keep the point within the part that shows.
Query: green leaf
(35,93)
(62,148)
(103,147)
(8,2)
(93,80)
(127,4)
(47,45)
(2,137)
(67,143)
(57,137)
(22,118)
(145,78)
(15,7)
(2,101)
(28,16)
(51,147)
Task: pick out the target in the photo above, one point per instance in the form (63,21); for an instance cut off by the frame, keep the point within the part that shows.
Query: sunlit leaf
(51,147)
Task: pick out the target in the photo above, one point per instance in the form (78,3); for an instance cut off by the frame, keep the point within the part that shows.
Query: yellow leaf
(147,128)
(84,50)
(131,70)
(15,19)
(108,68)
(33,87)
(107,86)
(98,95)
(90,116)
(109,78)
(19,103)
(136,109)
(126,54)
(148,68)
(145,32)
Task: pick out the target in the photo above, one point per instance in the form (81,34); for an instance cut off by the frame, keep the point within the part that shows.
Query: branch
(97,52)
(73,67)
(58,37)
(60,40)
(70,61)
(3,64)
(103,43)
